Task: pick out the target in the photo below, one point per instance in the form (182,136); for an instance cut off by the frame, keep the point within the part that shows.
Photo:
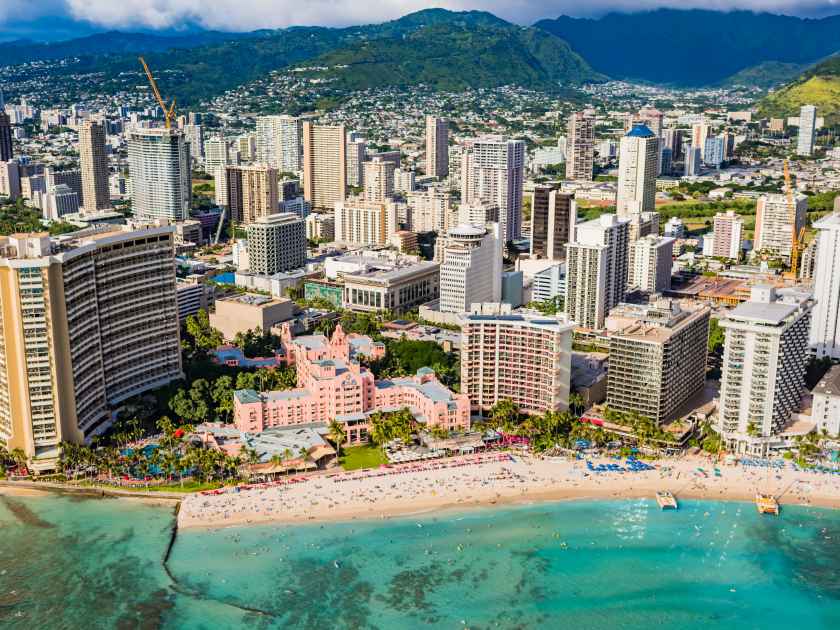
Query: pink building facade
(333,385)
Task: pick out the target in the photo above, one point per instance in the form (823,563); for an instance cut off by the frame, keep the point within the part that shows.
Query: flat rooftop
(252,299)
(764,313)
(387,273)
(829,385)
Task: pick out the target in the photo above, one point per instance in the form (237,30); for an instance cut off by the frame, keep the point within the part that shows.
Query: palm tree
(576,403)
(19,457)
(338,435)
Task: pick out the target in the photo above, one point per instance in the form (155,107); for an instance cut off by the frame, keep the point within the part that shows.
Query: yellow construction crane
(168,113)
(797,239)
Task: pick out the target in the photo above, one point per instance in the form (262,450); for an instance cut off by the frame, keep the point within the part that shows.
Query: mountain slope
(767,74)
(694,47)
(445,49)
(111,42)
(451,56)
(818,86)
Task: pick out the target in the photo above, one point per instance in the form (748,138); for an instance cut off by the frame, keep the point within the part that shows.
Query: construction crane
(168,113)
(797,239)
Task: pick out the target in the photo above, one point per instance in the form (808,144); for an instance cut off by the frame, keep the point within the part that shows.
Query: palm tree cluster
(15,457)
(563,429)
(172,458)
(387,426)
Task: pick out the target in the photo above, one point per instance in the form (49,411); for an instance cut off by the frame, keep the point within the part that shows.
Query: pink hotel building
(333,385)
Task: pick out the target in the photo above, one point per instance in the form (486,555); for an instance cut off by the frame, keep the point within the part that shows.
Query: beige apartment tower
(657,357)
(324,165)
(93,160)
(252,192)
(88,321)
(580,145)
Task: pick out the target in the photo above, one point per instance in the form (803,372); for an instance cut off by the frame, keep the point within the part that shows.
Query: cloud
(241,15)
(20,10)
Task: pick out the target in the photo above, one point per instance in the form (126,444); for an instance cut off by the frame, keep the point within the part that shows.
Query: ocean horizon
(70,561)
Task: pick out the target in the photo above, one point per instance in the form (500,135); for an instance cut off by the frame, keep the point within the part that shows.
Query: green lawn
(357,457)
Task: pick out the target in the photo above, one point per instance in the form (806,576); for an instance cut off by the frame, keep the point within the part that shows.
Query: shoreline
(490,484)
(524,500)
(32,488)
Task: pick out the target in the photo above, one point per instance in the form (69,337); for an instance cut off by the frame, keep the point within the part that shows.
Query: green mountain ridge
(765,75)
(818,85)
(436,47)
(451,56)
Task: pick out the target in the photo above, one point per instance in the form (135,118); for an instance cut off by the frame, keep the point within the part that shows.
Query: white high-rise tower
(159,166)
(807,128)
(825,323)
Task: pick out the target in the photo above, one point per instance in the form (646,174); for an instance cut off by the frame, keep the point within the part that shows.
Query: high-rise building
(159,166)
(93,160)
(825,323)
(580,146)
(85,326)
(246,144)
(637,168)
(430,210)
(5,137)
(477,213)
(59,201)
(493,172)
(714,152)
(651,260)
(549,283)
(405,180)
(276,243)
(279,142)
(657,357)
(808,262)
(728,232)
(596,270)
(471,270)
(72,178)
(826,408)
(252,192)
(456,154)
(320,227)
(324,165)
(216,158)
(652,118)
(379,180)
(553,216)
(437,147)
(10,179)
(775,227)
(356,150)
(675,228)
(764,355)
(362,222)
(699,133)
(216,155)
(194,135)
(642,224)
(693,159)
(807,129)
(522,358)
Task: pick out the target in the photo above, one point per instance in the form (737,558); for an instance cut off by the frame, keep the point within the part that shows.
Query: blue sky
(60,16)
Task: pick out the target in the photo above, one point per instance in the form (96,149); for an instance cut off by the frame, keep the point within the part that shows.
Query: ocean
(70,562)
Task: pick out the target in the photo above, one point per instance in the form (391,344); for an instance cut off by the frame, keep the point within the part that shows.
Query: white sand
(363,496)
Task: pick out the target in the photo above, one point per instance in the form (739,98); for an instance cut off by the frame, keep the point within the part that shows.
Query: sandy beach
(483,480)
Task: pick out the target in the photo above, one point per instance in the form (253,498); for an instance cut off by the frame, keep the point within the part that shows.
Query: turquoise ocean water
(98,563)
